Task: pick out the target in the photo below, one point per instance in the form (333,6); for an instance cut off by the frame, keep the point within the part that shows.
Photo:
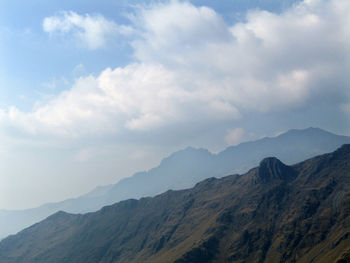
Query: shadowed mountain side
(273,213)
(182,170)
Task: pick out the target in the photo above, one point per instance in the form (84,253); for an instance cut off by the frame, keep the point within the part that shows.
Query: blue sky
(32,61)
(93,91)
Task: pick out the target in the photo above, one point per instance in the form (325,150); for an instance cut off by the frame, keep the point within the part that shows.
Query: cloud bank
(192,66)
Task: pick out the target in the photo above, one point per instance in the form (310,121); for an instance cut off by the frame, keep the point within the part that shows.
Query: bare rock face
(273,169)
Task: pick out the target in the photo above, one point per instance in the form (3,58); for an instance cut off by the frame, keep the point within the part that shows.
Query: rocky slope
(182,170)
(273,213)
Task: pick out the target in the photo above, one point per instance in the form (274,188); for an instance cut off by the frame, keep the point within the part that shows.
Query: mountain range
(273,213)
(183,169)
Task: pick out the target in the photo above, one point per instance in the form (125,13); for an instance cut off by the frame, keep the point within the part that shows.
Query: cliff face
(273,213)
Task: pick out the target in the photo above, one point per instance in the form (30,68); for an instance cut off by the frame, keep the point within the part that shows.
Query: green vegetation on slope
(274,213)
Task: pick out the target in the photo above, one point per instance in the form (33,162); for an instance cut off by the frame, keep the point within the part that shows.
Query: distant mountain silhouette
(273,213)
(183,169)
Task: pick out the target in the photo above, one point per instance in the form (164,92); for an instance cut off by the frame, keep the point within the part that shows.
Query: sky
(94,91)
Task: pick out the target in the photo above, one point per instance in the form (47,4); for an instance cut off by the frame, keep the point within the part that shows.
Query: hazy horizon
(93,92)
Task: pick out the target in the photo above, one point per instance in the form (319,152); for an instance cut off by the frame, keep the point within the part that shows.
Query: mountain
(273,213)
(183,169)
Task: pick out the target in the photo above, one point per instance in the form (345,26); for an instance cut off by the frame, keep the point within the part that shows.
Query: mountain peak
(270,161)
(186,154)
(264,217)
(60,215)
(342,151)
(311,131)
(272,168)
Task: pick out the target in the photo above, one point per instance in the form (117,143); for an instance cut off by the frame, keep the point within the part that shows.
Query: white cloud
(271,62)
(234,136)
(137,97)
(175,27)
(193,67)
(92,30)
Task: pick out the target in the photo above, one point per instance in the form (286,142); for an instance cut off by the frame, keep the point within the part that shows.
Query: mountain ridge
(304,218)
(183,169)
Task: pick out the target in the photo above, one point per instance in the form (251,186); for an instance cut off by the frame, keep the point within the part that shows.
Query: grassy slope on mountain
(274,213)
(183,169)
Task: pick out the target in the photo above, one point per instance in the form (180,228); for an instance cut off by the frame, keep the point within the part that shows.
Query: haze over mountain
(128,83)
(273,213)
(182,170)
